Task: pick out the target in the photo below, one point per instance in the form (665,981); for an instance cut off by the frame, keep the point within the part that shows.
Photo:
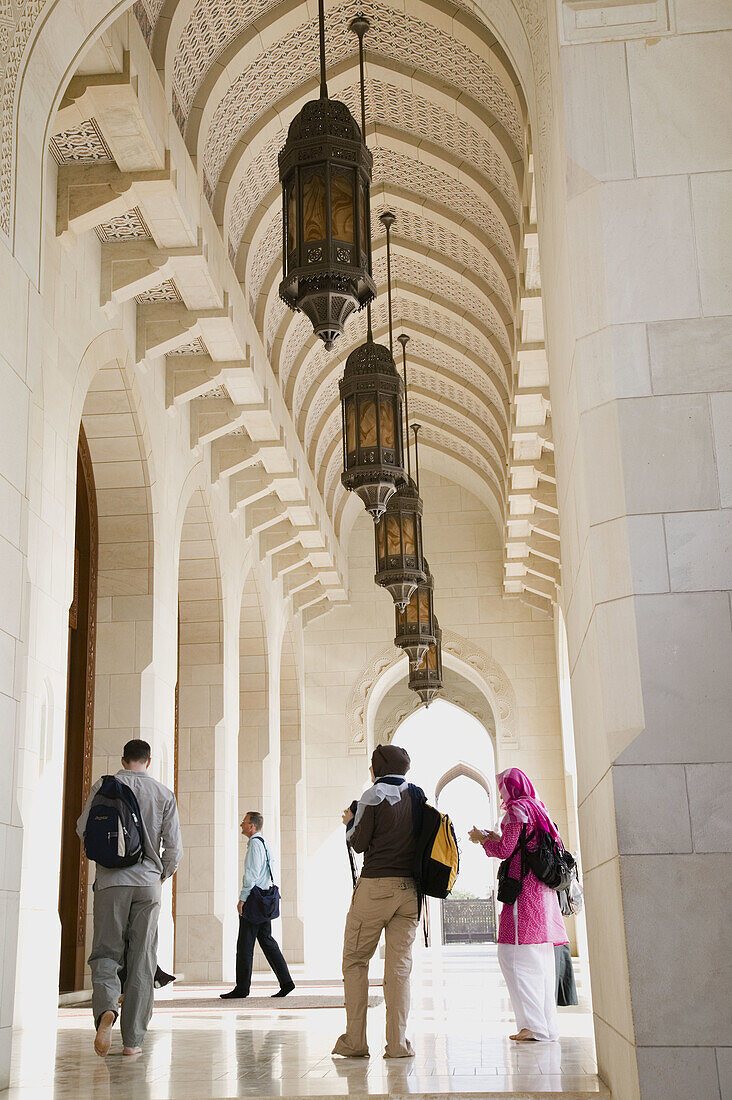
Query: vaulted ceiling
(446,125)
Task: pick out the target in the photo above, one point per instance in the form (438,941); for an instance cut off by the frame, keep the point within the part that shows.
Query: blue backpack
(113,833)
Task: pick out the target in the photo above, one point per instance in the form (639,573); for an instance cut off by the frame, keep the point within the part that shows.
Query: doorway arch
(453,760)
(478,684)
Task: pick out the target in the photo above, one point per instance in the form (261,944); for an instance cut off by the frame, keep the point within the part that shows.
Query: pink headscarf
(517,791)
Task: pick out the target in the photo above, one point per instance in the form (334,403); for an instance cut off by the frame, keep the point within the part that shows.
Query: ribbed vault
(446,125)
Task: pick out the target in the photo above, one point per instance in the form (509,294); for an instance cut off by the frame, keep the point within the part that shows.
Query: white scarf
(382,791)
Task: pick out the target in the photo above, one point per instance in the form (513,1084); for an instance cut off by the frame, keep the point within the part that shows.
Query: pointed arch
(201,924)
(464,657)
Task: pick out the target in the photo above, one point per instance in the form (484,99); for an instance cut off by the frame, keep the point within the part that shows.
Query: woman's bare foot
(523,1036)
(130,1051)
(103,1037)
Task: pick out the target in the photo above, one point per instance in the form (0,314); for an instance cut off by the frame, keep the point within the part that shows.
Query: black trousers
(249,934)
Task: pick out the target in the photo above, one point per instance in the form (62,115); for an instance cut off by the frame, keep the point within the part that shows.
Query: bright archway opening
(453,760)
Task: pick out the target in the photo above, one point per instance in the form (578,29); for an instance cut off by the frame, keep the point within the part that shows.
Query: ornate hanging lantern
(415,625)
(325,172)
(426,677)
(371,404)
(371,395)
(399,557)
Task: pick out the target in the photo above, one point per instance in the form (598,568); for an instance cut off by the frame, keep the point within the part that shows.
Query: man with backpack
(385,829)
(130,828)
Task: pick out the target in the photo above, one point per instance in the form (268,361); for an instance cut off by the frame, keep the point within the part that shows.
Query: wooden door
(79,726)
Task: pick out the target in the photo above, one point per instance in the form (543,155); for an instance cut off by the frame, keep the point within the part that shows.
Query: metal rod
(359,26)
(404,340)
(387,219)
(321,28)
(415,429)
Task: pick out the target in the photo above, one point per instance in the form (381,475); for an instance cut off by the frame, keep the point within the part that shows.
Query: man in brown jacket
(385,898)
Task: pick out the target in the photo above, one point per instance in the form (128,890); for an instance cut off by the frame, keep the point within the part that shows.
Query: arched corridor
(184,563)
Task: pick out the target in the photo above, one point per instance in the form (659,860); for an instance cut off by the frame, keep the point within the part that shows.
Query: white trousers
(528,970)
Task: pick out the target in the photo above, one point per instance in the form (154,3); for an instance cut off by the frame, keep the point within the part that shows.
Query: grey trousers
(125,927)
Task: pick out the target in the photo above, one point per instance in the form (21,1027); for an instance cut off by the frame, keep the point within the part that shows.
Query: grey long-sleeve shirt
(160,831)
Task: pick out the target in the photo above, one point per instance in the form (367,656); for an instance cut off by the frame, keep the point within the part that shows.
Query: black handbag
(262,905)
(551,863)
(510,888)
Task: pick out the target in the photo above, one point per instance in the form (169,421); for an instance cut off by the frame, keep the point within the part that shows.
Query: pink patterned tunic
(537,908)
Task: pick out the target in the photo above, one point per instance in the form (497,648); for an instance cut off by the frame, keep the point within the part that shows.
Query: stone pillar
(636,258)
(293,807)
(203,923)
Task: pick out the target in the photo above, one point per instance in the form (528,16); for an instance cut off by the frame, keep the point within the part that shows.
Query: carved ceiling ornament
(129,226)
(428,315)
(315,373)
(288,63)
(196,51)
(478,668)
(84,144)
(21,19)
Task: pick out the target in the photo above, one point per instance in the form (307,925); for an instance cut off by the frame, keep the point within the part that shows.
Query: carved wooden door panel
(79,726)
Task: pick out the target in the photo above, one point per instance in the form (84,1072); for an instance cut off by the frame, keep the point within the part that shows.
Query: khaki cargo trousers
(379,904)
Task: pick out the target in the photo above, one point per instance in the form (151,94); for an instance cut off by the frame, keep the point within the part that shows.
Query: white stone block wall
(635,250)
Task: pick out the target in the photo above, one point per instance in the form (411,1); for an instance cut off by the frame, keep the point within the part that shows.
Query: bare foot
(129,1052)
(103,1037)
(523,1036)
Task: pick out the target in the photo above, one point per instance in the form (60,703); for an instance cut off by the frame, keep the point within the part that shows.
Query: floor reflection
(459,1027)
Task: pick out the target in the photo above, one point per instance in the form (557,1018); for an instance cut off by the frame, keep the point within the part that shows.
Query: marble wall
(634,232)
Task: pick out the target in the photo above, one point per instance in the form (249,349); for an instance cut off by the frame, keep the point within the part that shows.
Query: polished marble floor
(459,1026)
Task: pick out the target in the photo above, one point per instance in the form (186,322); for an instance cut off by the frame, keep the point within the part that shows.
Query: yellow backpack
(437,859)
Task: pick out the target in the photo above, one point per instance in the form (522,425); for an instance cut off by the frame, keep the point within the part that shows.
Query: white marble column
(635,238)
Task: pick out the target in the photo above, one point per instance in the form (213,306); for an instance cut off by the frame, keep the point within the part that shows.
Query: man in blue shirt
(257,872)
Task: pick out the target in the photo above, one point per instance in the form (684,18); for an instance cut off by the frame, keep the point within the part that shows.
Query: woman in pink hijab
(530,927)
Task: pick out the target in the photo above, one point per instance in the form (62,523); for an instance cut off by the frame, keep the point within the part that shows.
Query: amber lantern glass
(325,171)
(415,624)
(371,402)
(399,557)
(425,677)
